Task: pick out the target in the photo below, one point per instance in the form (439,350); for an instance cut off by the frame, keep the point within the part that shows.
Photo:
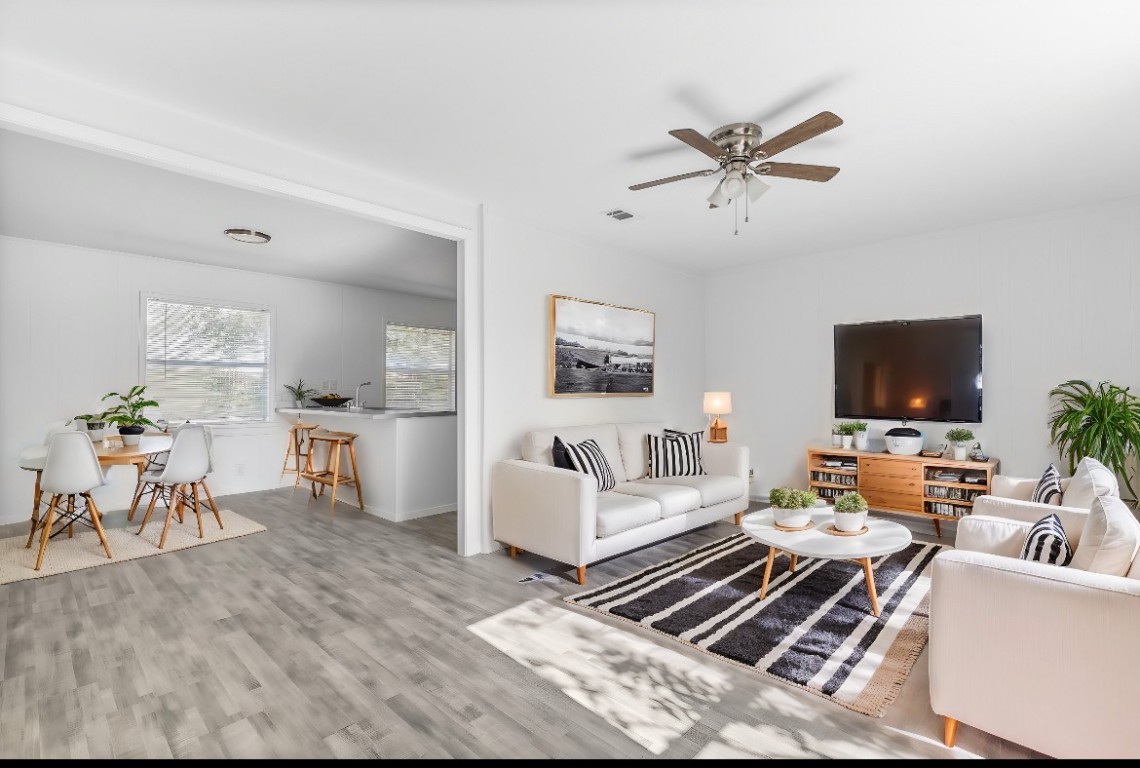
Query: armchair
(1034,653)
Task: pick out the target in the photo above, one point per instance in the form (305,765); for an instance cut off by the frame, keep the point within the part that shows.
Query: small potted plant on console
(300,392)
(128,413)
(860,435)
(850,512)
(847,432)
(960,438)
(791,507)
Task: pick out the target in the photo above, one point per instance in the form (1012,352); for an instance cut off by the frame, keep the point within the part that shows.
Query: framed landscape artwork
(600,350)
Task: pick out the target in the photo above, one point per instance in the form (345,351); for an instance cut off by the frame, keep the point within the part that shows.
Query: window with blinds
(207,362)
(419,367)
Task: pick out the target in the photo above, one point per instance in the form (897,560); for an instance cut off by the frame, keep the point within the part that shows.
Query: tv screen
(925,370)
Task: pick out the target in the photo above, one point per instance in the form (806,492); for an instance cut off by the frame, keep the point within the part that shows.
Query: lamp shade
(718,198)
(756,188)
(733,184)
(718,402)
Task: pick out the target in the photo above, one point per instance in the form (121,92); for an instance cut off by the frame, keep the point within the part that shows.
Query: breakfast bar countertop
(366,412)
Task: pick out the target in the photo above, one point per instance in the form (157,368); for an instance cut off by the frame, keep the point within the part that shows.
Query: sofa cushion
(1046,542)
(673,499)
(588,458)
(1091,479)
(536,445)
(675,455)
(631,440)
(1048,490)
(1110,538)
(619,512)
(714,489)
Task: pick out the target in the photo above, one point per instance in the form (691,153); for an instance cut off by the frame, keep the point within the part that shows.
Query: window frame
(454,358)
(270,361)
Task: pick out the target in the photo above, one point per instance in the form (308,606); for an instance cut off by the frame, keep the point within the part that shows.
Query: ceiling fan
(740,154)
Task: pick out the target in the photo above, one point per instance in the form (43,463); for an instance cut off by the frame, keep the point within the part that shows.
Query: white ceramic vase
(298,403)
(861,441)
(849,522)
(960,451)
(836,439)
(791,518)
(847,440)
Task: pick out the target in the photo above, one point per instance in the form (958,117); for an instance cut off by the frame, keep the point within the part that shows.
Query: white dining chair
(32,460)
(71,469)
(148,480)
(187,465)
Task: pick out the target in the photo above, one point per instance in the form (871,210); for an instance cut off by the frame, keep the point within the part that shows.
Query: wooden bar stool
(298,434)
(331,475)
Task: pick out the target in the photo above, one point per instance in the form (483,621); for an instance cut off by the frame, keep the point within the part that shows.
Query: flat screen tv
(922,370)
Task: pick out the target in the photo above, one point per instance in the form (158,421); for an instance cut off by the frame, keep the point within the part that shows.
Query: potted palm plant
(299,392)
(791,508)
(1102,422)
(960,438)
(128,413)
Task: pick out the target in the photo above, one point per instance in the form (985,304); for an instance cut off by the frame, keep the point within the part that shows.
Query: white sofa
(1038,654)
(559,513)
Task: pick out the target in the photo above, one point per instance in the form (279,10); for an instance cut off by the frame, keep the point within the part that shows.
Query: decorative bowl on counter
(330,402)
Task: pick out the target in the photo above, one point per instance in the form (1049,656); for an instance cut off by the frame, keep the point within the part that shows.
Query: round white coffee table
(883,537)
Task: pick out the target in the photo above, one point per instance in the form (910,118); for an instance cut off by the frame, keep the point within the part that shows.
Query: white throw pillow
(1091,479)
(1110,538)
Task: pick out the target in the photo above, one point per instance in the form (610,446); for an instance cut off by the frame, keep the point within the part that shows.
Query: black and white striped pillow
(1047,543)
(587,457)
(1048,490)
(675,455)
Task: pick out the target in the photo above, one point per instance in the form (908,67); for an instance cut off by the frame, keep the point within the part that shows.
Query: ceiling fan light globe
(756,188)
(733,185)
(718,198)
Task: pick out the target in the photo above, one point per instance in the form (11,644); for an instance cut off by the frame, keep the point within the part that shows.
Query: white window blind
(207,362)
(419,367)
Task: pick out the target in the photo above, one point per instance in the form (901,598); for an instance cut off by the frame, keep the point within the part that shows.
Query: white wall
(70,329)
(1059,296)
(524,265)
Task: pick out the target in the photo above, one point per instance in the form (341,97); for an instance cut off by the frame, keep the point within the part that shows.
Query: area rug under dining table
(815,629)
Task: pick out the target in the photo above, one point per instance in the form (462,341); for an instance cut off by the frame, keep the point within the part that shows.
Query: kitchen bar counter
(366,413)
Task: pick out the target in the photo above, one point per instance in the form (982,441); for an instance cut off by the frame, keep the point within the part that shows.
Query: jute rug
(85,551)
(814,630)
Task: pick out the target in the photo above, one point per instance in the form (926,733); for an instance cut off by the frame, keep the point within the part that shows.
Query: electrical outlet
(239,469)
(751,474)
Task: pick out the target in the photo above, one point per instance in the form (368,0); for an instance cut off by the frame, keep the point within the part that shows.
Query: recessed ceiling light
(247,236)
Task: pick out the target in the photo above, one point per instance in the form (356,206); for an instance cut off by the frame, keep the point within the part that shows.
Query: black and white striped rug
(814,630)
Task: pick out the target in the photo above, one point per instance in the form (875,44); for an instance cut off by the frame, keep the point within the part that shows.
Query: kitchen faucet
(356,401)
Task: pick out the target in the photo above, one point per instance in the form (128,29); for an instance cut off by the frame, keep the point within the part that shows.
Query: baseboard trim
(414,514)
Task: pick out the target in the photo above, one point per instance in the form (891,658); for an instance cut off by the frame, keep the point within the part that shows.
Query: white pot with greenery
(791,507)
(847,433)
(836,438)
(128,413)
(960,438)
(850,513)
(860,435)
(299,392)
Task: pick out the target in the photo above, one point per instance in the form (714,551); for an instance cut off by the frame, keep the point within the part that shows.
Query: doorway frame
(471,527)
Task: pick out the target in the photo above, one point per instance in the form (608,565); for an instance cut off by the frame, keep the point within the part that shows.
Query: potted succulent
(128,413)
(847,433)
(960,438)
(850,512)
(860,435)
(836,438)
(791,507)
(299,392)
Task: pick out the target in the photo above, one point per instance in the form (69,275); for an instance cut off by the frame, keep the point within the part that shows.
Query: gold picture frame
(600,350)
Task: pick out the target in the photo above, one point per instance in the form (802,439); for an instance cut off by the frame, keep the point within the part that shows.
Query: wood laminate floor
(363,638)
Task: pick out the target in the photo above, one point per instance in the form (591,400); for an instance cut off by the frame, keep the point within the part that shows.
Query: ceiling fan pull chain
(746,209)
(736,216)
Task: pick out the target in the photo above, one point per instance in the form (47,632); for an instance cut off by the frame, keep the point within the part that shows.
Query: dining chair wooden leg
(336,475)
(37,497)
(356,475)
(181,509)
(213,504)
(169,516)
(198,511)
(98,524)
(45,534)
(158,491)
(71,516)
(139,491)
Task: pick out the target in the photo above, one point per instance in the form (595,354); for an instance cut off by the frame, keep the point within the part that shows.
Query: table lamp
(716,404)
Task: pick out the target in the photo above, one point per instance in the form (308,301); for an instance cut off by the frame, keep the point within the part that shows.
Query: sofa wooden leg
(582,574)
(515,551)
(739,517)
(951,731)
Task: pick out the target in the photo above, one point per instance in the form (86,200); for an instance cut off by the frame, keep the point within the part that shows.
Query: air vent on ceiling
(619,214)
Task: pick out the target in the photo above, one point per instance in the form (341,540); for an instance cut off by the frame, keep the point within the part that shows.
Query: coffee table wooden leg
(938,527)
(772,552)
(870,574)
(795,561)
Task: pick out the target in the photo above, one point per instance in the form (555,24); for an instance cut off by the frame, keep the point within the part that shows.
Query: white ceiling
(51,191)
(957,111)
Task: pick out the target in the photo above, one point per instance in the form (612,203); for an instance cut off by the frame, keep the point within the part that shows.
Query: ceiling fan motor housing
(737,139)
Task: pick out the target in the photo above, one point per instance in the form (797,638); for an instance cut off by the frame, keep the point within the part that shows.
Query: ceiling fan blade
(813,126)
(797,171)
(679,177)
(699,142)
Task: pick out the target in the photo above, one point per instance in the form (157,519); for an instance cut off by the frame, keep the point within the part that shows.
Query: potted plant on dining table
(128,413)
